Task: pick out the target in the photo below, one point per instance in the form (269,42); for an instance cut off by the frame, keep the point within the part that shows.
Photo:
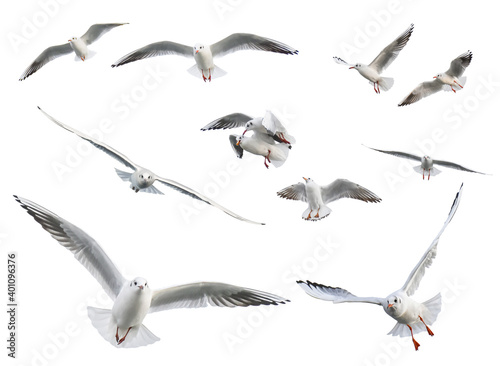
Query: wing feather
(245,41)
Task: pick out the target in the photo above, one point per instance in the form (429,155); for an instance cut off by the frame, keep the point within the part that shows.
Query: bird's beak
(238,143)
(69,40)
(197,51)
(304,179)
(434,77)
(389,306)
(141,287)
(243,134)
(352,67)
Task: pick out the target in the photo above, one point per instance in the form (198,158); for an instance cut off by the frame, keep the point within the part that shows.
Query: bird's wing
(454,166)
(100,145)
(232,120)
(85,249)
(294,192)
(46,56)
(422,90)
(244,41)
(96,31)
(201,294)
(155,49)
(192,193)
(418,272)
(389,54)
(237,149)
(342,62)
(343,188)
(274,126)
(334,294)
(399,154)
(458,65)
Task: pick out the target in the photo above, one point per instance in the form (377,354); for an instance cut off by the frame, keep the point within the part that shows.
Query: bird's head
(199,47)
(239,139)
(394,305)
(427,157)
(72,39)
(438,76)
(249,126)
(308,180)
(139,283)
(145,177)
(357,66)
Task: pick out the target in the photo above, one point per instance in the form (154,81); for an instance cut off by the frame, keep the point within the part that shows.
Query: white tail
(217,72)
(386,83)
(420,170)
(280,155)
(323,212)
(152,189)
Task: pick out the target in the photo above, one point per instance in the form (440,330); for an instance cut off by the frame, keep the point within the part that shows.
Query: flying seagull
(260,144)
(412,317)
(318,196)
(142,179)
(426,163)
(133,299)
(267,125)
(373,71)
(450,80)
(77,45)
(204,54)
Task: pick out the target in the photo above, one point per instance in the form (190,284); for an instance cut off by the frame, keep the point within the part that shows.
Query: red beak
(243,134)
(389,306)
(141,287)
(197,51)
(352,67)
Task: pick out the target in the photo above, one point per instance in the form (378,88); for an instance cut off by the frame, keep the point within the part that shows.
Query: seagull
(411,316)
(133,300)
(204,54)
(267,125)
(381,62)
(426,163)
(318,196)
(447,81)
(77,45)
(260,144)
(142,179)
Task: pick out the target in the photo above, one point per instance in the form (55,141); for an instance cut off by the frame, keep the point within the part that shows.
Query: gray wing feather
(422,90)
(458,65)
(202,294)
(45,57)
(389,54)
(232,120)
(341,62)
(454,166)
(294,192)
(245,41)
(343,188)
(334,294)
(155,49)
(399,154)
(85,249)
(96,31)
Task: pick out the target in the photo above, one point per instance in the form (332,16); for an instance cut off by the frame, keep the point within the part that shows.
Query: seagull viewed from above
(426,163)
(412,317)
(373,71)
(204,54)
(318,196)
(260,144)
(142,179)
(447,81)
(267,125)
(133,300)
(75,44)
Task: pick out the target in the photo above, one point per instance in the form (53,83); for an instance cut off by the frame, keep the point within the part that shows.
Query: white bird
(76,45)
(447,81)
(318,196)
(133,300)
(267,125)
(204,54)
(373,71)
(412,317)
(260,144)
(142,179)
(426,163)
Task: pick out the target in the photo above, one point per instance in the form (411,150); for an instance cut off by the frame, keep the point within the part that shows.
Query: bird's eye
(135,283)
(146,284)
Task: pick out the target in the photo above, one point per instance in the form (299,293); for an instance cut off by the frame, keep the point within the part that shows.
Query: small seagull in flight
(77,45)
(263,145)
(412,317)
(133,300)
(373,71)
(204,54)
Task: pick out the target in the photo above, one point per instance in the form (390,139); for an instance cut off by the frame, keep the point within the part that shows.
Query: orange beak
(197,51)
(238,143)
(389,306)
(304,179)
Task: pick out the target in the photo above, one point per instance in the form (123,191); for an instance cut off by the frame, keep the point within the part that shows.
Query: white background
(368,249)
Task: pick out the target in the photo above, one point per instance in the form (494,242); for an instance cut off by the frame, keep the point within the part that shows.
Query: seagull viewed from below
(426,163)
(204,54)
(318,196)
(267,125)
(263,145)
(412,317)
(373,71)
(75,44)
(142,179)
(133,300)
(451,80)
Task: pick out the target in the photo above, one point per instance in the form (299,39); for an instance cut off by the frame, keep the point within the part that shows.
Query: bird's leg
(309,216)
(453,90)
(123,338)
(209,74)
(375,87)
(415,343)
(378,87)
(268,154)
(116,336)
(459,84)
(317,213)
(203,75)
(429,176)
(423,173)
(265,163)
(283,139)
(82,58)
(428,329)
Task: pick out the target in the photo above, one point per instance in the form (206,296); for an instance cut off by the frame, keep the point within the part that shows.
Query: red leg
(265,163)
(378,87)
(429,176)
(453,90)
(309,216)
(459,85)
(203,75)
(415,343)
(423,173)
(317,214)
(123,338)
(209,74)
(116,335)
(268,154)
(428,329)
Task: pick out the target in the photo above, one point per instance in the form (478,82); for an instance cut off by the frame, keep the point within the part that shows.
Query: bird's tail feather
(385,83)
(216,71)
(323,212)
(283,150)
(420,170)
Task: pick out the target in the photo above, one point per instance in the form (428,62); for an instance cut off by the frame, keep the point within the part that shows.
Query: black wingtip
(39,107)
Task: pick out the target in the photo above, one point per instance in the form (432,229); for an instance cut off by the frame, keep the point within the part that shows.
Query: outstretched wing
(342,62)
(100,145)
(96,31)
(389,54)
(294,192)
(232,120)
(421,91)
(45,57)
(399,154)
(245,41)
(201,294)
(334,294)
(458,65)
(155,49)
(454,166)
(276,129)
(418,272)
(343,188)
(85,249)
